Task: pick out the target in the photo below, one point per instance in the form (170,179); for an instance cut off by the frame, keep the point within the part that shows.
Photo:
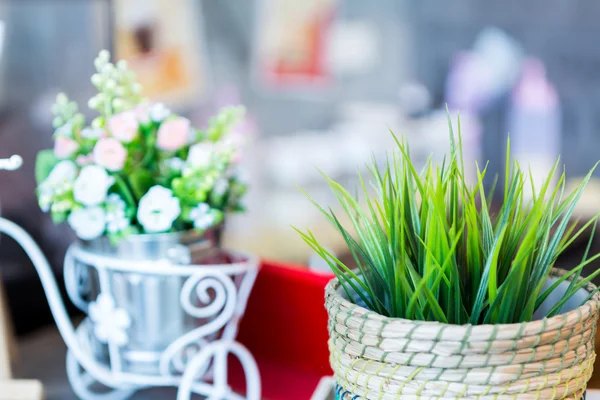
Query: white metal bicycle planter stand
(212,298)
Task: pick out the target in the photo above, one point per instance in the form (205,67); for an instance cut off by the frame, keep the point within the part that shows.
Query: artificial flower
(202,217)
(63,172)
(110,322)
(142,145)
(88,223)
(83,160)
(141,112)
(114,201)
(159,112)
(44,200)
(61,206)
(65,147)
(220,187)
(158,209)
(175,163)
(124,126)
(65,131)
(93,133)
(110,154)
(92,184)
(200,155)
(116,219)
(173,134)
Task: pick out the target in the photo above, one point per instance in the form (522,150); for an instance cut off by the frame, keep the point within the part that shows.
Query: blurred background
(323,82)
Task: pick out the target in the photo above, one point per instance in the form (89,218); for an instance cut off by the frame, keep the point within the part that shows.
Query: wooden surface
(21,390)
(11,389)
(5,337)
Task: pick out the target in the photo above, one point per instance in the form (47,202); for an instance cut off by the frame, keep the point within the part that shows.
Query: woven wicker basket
(375,357)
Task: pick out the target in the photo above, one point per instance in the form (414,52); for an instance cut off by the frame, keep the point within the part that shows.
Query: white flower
(115,201)
(93,133)
(91,185)
(220,187)
(158,209)
(65,131)
(110,322)
(202,217)
(158,112)
(63,172)
(61,206)
(88,223)
(59,181)
(175,163)
(201,155)
(116,220)
(45,201)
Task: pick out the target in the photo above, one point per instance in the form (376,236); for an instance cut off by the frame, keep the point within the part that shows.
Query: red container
(285,328)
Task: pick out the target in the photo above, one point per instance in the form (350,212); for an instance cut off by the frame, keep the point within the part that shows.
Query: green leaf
(44,162)
(58,217)
(140,180)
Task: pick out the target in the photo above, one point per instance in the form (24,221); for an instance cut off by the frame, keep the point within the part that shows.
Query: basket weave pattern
(381,358)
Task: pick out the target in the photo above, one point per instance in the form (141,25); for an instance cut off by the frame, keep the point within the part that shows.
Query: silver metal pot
(152,301)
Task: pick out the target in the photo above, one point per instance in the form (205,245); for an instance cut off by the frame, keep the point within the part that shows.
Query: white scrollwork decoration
(73,274)
(203,284)
(220,389)
(225,296)
(83,383)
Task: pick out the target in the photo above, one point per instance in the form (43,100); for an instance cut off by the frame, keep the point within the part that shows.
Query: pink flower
(173,134)
(84,160)
(110,154)
(65,147)
(124,126)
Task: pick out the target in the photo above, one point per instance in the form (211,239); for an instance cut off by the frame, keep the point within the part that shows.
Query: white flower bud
(61,99)
(110,84)
(97,123)
(93,103)
(107,69)
(57,121)
(118,104)
(97,80)
(104,55)
(120,91)
(122,65)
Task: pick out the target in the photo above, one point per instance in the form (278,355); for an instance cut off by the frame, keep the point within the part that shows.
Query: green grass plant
(429,246)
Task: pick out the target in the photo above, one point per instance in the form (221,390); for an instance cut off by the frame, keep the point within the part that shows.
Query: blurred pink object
(534,91)
(469,82)
(534,124)
(124,126)
(173,134)
(110,154)
(142,112)
(65,147)
(84,160)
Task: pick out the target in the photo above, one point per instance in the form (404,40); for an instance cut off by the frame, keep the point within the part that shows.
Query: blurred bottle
(534,122)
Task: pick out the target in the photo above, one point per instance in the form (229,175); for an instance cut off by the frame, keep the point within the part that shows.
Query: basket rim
(589,307)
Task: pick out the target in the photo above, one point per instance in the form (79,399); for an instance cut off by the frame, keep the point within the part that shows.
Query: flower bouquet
(138,167)
(146,193)
(450,300)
